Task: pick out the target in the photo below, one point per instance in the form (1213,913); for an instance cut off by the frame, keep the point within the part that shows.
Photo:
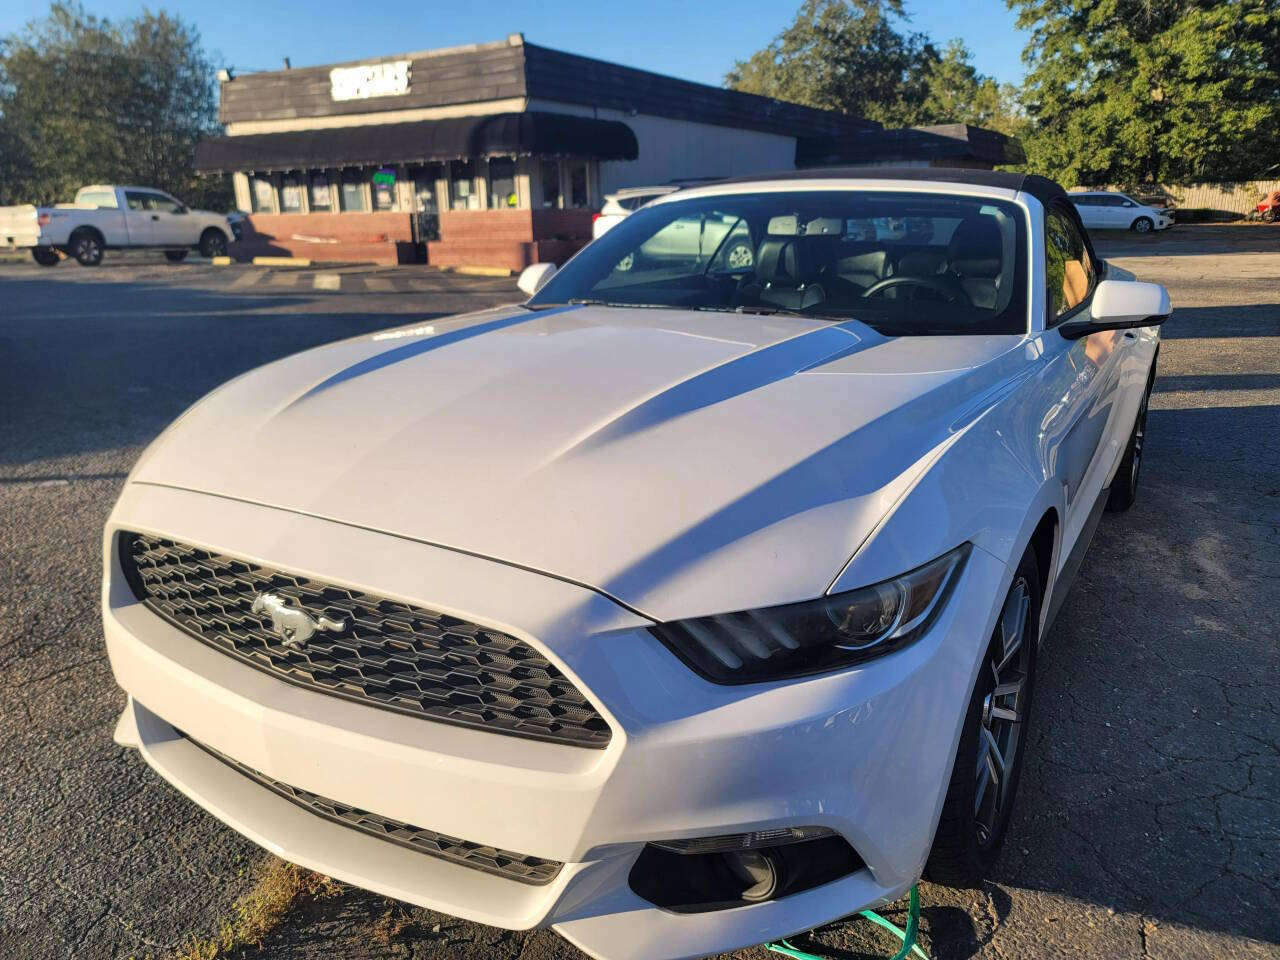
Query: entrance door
(426,207)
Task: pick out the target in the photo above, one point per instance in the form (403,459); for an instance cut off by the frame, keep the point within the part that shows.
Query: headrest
(787,226)
(784,262)
(976,248)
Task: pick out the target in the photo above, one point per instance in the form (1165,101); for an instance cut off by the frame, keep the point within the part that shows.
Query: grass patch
(279,887)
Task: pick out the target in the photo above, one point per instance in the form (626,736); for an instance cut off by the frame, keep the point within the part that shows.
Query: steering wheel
(949,292)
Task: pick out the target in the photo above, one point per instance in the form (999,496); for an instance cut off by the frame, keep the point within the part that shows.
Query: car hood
(685,463)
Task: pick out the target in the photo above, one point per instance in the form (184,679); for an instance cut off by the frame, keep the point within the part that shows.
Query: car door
(1081,428)
(172,225)
(1120,212)
(1087,207)
(138,218)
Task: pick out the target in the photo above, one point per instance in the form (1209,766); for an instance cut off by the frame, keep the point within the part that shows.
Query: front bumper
(866,752)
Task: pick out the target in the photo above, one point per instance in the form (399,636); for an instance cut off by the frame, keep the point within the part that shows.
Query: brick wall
(380,237)
(510,239)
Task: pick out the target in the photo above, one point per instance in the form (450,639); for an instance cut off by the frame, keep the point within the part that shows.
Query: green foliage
(85,100)
(849,55)
(1133,91)
(957,93)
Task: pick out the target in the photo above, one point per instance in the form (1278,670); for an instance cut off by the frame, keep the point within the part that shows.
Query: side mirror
(1121,305)
(534,277)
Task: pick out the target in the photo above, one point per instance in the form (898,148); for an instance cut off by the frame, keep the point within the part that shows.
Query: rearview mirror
(1121,305)
(534,277)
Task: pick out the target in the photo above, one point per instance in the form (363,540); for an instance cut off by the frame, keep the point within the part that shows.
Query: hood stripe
(398,354)
(734,377)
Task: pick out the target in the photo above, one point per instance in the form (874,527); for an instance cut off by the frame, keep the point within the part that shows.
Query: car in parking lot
(687,605)
(619,204)
(1109,210)
(104,216)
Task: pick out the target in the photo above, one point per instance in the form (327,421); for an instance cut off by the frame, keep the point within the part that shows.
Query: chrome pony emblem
(292,624)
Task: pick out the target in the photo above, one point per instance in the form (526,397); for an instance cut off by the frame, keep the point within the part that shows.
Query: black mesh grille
(373,650)
(503,863)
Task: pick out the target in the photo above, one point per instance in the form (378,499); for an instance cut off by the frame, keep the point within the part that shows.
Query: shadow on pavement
(1151,781)
(103,366)
(1253,320)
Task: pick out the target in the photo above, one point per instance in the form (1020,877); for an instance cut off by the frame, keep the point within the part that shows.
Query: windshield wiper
(764,310)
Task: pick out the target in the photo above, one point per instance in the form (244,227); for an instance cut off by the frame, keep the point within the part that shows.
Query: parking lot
(1148,820)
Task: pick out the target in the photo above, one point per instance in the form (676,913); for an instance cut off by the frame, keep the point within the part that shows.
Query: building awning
(452,138)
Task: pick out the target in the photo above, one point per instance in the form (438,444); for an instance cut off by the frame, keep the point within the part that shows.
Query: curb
(281,262)
(479,271)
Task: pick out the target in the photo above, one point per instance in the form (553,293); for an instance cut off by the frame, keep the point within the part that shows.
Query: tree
(849,55)
(955,92)
(1133,91)
(85,100)
(843,55)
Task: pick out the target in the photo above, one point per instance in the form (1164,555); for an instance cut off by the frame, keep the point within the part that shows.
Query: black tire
(87,246)
(975,818)
(1142,225)
(1124,487)
(45,256)
(175,256)
(213,243)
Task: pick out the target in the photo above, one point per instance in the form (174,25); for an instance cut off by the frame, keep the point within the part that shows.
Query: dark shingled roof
(516,70)
(1042,188)
(946,144)
(492,135)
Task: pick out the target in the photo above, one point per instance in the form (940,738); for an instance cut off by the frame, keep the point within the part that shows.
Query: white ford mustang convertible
(690,604)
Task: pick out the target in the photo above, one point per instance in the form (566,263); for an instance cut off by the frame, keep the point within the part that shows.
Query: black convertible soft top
(1042,188)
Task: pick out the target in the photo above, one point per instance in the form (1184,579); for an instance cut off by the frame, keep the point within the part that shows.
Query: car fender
(989,483)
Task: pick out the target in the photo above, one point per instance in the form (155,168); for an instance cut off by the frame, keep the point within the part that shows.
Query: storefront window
(320,200)
(424,188)
(577,184)
(261,194)
(290,194)
(502,183)
(384,189)
(352,191)
(550,171)
(462,186)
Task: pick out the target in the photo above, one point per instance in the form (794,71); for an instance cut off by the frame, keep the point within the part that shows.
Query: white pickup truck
(109,216)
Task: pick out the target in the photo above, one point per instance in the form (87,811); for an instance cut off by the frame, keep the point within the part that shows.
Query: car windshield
(904,263)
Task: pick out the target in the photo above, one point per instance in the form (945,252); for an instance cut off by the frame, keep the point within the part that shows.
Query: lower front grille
(501,863)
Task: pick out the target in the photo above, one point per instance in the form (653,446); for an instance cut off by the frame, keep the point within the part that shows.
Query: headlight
(774,643)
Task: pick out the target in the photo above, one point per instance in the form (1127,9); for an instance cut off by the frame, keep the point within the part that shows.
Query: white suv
(618,205)
(1107,210)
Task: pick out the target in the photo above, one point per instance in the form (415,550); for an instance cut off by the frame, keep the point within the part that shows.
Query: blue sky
(694,39)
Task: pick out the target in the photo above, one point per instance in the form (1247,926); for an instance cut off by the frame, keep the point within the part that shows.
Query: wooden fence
(1226,198)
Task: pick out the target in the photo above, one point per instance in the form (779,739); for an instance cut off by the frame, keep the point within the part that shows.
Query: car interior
(916,265)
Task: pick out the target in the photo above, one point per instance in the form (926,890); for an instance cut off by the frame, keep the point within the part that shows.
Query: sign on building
(387,79)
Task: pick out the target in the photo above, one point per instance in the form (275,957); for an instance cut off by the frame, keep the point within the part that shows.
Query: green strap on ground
(907,936)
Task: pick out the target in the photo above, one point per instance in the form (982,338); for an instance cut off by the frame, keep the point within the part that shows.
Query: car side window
(158,201)
(1070,271)
(136,199)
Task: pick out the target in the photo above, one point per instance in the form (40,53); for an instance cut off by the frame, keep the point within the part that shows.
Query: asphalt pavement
(1148,820)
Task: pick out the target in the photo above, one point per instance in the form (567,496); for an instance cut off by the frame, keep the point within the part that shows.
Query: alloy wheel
(1003,712)
(87,250)
(740,257)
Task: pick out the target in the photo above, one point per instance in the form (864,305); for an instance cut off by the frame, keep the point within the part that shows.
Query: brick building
(493,154)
